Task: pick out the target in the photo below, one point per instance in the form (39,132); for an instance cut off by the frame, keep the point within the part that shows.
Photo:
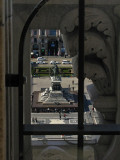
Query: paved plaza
(91,116)
(45,82)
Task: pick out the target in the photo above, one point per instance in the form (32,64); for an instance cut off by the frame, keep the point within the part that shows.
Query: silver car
(66,62)
(54,62)
(41,62)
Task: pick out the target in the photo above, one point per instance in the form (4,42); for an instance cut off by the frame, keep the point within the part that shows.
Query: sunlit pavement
(90,116)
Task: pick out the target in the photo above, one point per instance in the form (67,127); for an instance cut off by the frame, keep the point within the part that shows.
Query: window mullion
(20,67)
(81,79)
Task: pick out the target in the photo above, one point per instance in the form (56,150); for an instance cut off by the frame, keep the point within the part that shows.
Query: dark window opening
(52,32)
(52,47)
(35,32)
(35,40)
(42,32)
(35,47)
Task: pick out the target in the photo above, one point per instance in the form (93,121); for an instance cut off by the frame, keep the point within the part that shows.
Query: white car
(54,62)
(41,62)
(66,62)
(41,59)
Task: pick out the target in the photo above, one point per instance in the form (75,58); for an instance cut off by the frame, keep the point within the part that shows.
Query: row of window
(45,32)
(38,40)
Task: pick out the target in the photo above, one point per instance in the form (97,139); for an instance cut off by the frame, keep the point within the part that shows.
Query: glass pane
(60,147)
(54,86)
(49,110)
(53,149)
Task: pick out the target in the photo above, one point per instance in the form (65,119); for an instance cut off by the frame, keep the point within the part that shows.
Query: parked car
(54,62)
(41,62)
(34,54)
(66,62)
(33,64)
(41,59)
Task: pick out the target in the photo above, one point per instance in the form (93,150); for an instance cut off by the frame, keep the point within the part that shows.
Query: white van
(41,59)
(66,62)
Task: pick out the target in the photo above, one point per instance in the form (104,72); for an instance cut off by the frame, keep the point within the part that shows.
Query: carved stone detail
(99,50)
(62,153)
(99,47)
(66,25)
(100,55)
(55,153)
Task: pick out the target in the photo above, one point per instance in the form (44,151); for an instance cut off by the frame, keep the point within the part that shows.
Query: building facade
(46,43)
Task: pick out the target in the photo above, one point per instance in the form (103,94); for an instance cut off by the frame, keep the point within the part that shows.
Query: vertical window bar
(20,67)
(81,79)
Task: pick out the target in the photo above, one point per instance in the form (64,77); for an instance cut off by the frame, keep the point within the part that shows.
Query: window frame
(80,129)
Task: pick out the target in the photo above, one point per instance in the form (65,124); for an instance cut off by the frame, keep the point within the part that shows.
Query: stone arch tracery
(54,152)
(99,47)
(99,50)
(100,56)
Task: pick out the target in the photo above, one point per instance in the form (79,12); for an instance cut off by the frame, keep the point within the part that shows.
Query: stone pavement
(90,117)
(45,82)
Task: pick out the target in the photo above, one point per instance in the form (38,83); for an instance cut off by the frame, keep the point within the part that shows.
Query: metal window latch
(12,80)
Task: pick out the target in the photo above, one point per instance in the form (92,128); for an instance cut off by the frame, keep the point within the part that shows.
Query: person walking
(60,115)
(65,115)
(73,82)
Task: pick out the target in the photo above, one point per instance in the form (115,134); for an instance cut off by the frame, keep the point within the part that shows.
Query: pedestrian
(36,120)
(55,110)
(60,115)
(33,120)
(64,115)
(73,82)
(69,87)
(73,88)
(48,110)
